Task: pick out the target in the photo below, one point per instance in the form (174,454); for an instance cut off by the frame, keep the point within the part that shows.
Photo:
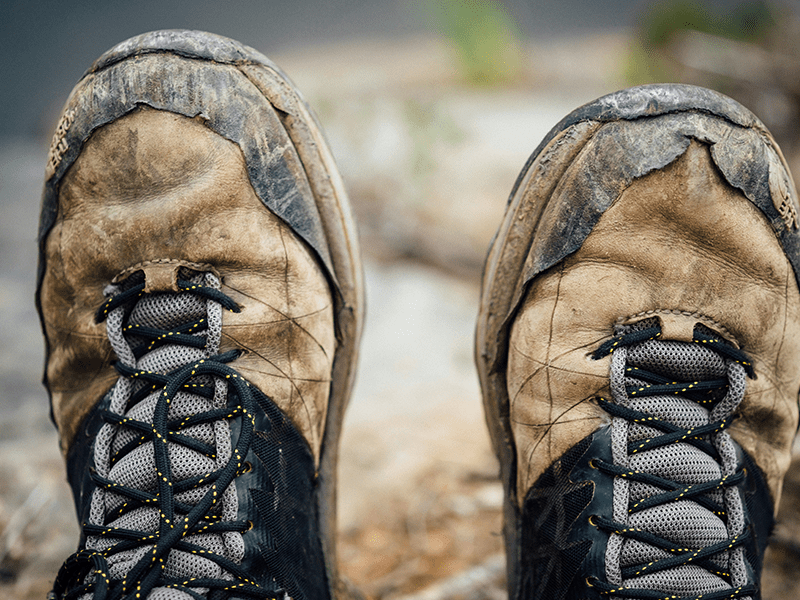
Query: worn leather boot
(638,346)
(200,293)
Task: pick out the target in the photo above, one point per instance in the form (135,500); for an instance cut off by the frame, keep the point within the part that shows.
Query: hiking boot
(638,347)
(200,292)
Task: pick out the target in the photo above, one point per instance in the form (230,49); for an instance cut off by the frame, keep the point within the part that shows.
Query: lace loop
(628,339)
(637,336)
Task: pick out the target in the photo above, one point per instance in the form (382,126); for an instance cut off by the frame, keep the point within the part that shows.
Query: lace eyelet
(591,520)
(249,526)
(589,581)
(248,466)
(593,464)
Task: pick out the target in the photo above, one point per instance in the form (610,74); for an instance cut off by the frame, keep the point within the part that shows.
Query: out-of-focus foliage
(749,21)
(485,38)
(663,22)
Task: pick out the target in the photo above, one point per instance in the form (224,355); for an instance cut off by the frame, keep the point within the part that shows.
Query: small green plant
(485,38)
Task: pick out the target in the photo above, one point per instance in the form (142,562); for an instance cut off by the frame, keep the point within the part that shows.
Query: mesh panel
(677,462)
(680,411)
(171,594)
(636,552)
(737,567)
(181,563)
(686,580)
(135,467)
(167,311)
(613,567)
(685,522)
(119,564)
(169,358)
(678,360)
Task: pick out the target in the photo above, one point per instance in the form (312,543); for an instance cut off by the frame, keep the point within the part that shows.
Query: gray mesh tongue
(137,468)
(685,522)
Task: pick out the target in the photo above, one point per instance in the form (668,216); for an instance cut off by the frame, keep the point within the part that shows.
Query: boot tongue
(168,311)
(135,468)
(686,523)
(164,311)
(678,361)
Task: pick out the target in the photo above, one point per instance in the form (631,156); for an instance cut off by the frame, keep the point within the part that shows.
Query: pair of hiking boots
(201,296)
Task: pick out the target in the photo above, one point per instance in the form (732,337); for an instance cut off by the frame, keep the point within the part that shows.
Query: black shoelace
(707,393)
(86,573)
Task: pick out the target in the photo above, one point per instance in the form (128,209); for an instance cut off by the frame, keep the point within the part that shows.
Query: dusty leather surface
(620,152)
(156,186)
(679,243)
(220,94)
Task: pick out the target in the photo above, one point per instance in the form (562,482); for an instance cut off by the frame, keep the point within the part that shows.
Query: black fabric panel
(283,550)
(80,459)
(559,548)
(759,515)
(280,496)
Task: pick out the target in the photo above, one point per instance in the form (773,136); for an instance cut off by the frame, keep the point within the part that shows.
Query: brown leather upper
(154,187)
(682,244)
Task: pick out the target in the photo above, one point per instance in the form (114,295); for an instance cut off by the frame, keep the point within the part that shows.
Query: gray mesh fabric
(685,522)
(136,468)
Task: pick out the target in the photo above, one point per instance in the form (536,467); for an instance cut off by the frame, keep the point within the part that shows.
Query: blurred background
(431,108)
